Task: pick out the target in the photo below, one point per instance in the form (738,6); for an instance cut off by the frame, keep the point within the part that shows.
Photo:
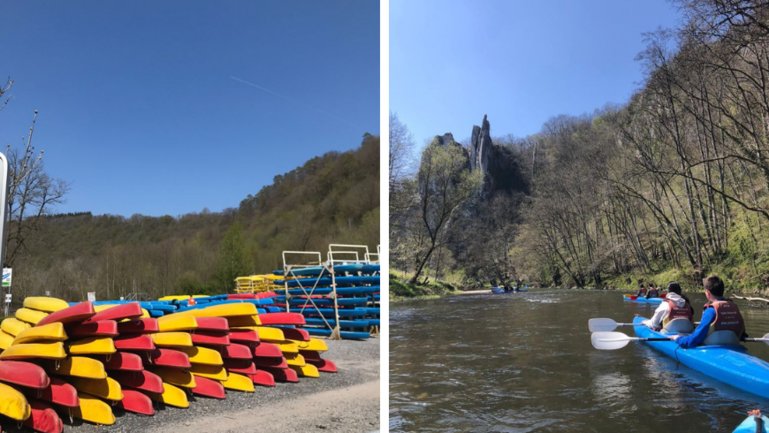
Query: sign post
(3,219)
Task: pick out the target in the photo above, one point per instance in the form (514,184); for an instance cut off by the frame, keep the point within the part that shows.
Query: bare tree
(31,193)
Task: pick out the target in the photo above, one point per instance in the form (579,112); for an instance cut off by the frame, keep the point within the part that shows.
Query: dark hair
(714,285)
(674,287)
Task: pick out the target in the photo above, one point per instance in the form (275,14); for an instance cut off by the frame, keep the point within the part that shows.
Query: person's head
(674,287)
(713,285)
(640,284)
(652,285)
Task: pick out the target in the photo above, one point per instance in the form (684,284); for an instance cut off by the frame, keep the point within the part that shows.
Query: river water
(524,363)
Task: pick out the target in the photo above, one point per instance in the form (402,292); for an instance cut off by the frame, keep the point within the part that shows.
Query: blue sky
(520,62)
(175,106)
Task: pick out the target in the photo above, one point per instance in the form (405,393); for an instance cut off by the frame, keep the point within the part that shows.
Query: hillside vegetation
(332,198)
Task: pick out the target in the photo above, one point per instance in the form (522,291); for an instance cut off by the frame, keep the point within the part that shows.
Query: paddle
(764,339)
(602,324)
(617,340)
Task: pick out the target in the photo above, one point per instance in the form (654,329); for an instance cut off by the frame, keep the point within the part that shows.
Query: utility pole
(6,280)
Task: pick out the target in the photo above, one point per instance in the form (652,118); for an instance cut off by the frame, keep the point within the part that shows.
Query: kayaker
(641,289)
(675,314)
(721,321)
(652,292)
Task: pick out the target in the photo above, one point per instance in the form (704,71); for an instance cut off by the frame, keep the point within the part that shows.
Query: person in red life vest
(652,292)
(721,321)
(191,301)
(641,289)
(675,314)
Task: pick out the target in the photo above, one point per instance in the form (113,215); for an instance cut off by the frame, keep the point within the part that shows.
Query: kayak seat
(722,338)
(678,326)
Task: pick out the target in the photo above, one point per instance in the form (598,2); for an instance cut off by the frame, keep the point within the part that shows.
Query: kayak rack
(296,261)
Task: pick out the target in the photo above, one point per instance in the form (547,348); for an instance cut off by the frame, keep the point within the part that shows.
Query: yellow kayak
(172,396)
(243,321)
(269,333)
(172,339)
(45,303)
(13,326)
(92,409)
(175,376)
(50,332)
(180,297)
(177,322)
(315,344)
(295,360)
(29,316)
(81,366)
(307,370)
(35,350)
(224,310)
(13,404)
(238,382)
(288,347)
(6,340)
(203,355)
(210,371)
(92,346)
(107,388)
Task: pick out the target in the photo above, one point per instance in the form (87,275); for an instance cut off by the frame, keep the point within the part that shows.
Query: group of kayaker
(648,292)
(721,321)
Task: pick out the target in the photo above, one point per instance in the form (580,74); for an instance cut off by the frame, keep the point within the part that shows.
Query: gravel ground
(344,402)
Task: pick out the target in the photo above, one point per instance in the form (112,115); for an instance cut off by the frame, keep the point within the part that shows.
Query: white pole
(3,219)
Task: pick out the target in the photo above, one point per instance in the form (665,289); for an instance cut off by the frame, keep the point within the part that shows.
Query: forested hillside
(331,198)
(674,184)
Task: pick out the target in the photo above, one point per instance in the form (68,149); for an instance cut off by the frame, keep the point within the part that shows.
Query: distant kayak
(641,299)
(501,290)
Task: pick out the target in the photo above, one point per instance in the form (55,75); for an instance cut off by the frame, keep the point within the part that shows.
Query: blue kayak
(750,425)
(729,364)
(642,299)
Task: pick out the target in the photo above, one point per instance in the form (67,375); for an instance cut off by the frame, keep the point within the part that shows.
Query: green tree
(233,259)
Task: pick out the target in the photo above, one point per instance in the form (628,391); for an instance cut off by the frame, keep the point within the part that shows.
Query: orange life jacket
(676,312)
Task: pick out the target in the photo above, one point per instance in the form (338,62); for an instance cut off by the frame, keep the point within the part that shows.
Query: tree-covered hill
(332,198)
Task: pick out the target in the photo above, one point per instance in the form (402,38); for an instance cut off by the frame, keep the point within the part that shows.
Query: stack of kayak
(310,292)
(82,360)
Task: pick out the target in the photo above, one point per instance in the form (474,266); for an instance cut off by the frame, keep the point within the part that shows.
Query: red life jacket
(642,291)
(676,312)
(728,317)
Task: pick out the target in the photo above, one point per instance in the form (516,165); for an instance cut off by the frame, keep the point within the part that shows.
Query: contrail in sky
(294,101)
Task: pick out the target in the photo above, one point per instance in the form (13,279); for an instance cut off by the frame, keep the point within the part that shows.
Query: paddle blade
(601,324)
(609,340)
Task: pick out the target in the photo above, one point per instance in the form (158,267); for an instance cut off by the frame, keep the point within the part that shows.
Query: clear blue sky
(520,62)
(169,107)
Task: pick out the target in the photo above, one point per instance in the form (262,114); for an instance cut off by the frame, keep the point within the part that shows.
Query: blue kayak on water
(729,364)
(642,299)
(753,424)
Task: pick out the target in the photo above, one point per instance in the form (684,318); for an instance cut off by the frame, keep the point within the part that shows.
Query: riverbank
(346,402)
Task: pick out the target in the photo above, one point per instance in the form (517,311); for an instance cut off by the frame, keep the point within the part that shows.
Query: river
(524,363)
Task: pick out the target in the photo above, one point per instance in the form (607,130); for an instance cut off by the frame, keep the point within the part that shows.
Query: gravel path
(345,402)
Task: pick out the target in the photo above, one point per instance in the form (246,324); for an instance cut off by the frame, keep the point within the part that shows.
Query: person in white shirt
(674,315)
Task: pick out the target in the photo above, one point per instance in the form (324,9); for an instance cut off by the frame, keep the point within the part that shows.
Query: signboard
(91,296)
(7,273)
(8,298)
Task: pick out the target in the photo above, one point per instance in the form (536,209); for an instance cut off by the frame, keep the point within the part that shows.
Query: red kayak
(270,362)
(43,418)
(282,374)
(75,313)
(323,365)
(24,374)
(99,328)
(206,387)
(210,338)
(236,351)
(240,366)
(136,402)
(281,319)
(169,358)
(59,392)
(138,342)
(241,296)
(141,380)
(141,326)
(124,361)
(244,336)
(267,350)
(215,324)
(132,310)
(296,334)
(262,378)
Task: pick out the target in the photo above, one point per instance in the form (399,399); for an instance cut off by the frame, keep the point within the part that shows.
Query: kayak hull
(729,364)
